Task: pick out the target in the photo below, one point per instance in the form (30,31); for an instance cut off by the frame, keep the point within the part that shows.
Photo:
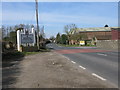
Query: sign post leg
(18,40)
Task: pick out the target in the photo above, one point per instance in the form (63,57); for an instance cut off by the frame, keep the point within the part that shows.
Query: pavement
(102,63)
(63,67)
(50,70)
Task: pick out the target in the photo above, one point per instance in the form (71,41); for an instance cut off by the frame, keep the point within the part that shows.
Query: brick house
(115,33)
(101,33)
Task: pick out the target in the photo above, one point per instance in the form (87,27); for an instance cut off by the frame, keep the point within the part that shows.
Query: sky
(61,0)
(55,15)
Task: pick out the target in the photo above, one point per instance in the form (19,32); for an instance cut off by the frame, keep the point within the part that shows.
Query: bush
(11,55)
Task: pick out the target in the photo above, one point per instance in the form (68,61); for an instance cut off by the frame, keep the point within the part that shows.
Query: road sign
(27,38)
(82,42)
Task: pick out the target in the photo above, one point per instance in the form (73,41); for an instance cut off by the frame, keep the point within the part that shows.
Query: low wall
(108,44)
(29,49)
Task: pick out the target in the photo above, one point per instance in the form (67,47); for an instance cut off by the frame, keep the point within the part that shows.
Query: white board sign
(27,38)
(82,42)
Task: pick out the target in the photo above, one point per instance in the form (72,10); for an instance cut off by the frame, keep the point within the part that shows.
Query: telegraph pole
(37,24)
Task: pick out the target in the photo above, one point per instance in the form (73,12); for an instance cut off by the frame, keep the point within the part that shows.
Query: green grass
(68,45)
(30,53)
(40,51)
(76,45)
(45,50)
(13,55)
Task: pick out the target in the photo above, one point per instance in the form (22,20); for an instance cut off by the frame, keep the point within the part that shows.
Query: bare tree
(70,30)
(3,31)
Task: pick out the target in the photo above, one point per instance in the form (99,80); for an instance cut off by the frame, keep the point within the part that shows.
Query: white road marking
(102,54)
(98,76)
(67,58)
(73,62)
(64,57)
(82,67)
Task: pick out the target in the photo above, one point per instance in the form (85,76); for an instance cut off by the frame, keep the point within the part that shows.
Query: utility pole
(37,24)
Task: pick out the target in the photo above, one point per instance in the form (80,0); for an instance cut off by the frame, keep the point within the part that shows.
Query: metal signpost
(27,38)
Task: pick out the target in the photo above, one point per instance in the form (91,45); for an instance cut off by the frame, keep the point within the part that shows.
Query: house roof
(94,29)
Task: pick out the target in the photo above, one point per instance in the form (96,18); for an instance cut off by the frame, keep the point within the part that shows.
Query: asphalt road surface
(102,63)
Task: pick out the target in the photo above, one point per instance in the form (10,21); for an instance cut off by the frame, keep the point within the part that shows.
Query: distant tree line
(61,39)
(9,33)
(71,33)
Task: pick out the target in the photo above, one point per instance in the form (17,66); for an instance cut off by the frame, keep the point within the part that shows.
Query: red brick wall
(100,35)
(115,34)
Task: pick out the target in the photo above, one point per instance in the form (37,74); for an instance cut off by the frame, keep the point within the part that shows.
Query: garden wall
(108,44)
(29,49)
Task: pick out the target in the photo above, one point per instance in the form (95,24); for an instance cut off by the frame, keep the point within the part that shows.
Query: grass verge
(30,53)
(76,45)
(11,55)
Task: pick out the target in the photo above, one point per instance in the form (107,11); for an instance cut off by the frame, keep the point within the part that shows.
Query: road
(101,63)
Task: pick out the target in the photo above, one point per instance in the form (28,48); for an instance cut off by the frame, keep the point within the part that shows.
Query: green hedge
(29,49)
(12,55)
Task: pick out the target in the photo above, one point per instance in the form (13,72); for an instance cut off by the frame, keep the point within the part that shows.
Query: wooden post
(37,24)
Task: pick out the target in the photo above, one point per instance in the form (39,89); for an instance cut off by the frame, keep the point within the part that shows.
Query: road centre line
(82,67)
(73,62)
(98,76)
(102,54)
